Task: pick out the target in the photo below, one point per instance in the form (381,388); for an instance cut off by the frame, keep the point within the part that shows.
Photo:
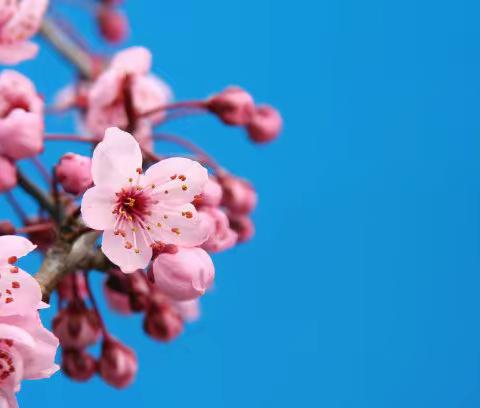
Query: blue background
(361,286)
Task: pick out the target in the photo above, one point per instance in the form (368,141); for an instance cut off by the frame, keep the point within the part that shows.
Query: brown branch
(36,193)
(64,257)
(67,48)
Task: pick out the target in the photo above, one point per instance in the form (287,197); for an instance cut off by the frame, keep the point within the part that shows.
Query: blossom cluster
(149,222)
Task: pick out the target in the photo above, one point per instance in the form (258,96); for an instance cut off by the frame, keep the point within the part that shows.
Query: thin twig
(67,48)
(38,194)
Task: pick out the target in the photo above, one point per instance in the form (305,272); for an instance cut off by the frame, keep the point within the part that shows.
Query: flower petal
(20,293)
(25,22)
(179,225)
(133,60)
(182,179)
(97,206)
(12,54)
(116,159)
(128,260)
(13,245)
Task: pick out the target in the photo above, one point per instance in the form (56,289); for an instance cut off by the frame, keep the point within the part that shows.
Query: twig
(64,257)
(68,48)
(38,194)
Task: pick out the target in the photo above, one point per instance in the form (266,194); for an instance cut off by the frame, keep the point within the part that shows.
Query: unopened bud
(117,364)
(265,124)
(78,365)
(233,106)
(74,173)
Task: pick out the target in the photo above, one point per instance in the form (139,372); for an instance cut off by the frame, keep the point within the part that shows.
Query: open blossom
(137,210)
(19,21)
(21,117)
(126,88)
(27,349)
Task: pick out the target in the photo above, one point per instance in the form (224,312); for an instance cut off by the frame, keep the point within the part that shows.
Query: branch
(36,193)
(63,258)
(68,48)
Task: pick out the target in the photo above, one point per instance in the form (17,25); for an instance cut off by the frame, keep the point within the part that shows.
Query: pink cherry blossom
(27,351)
(185,275)
(137,210)
(126,84)
(19,291)
(221,237)
(19,21)
(21,117)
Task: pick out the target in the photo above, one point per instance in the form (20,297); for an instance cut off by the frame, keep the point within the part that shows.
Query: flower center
(133,204)
(7,366)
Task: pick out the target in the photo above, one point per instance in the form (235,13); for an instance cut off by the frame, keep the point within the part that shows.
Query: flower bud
(211,194)
(113,24)
(76,326)
(239,196)
(234,106)
(8,175)
(72,286)
(78,365)
(265,124)
(117,364)
(243,226)
(162,322)
(221,237)
(74,173)
(140,291)
(185,275)
(189,309)
(7,228)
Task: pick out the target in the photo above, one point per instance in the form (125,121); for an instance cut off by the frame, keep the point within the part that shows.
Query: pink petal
(180,226)
(27,129)
(20,293)
(105,89)
(189,178)
(12,245)
(25,22)
(185,275)
(133,60)
(148,93)
(10,331)
(11,54)
(7,398)
(116,159)
(113,246)
(97,206)
(7,9)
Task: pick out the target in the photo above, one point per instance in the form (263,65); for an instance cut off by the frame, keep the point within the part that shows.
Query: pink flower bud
(74,173)
(243,226)
(185,275)
(234,106)
(189,309)
(211,194)
(72,286)
(76,326)
(162,322)
(78,365)
(265,124)
(7,228)
(117,364)
(238,195)
(8,175)
(139,292)
(221,236)
(113,24)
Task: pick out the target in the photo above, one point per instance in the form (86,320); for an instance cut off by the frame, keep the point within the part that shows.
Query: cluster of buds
(235,107)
